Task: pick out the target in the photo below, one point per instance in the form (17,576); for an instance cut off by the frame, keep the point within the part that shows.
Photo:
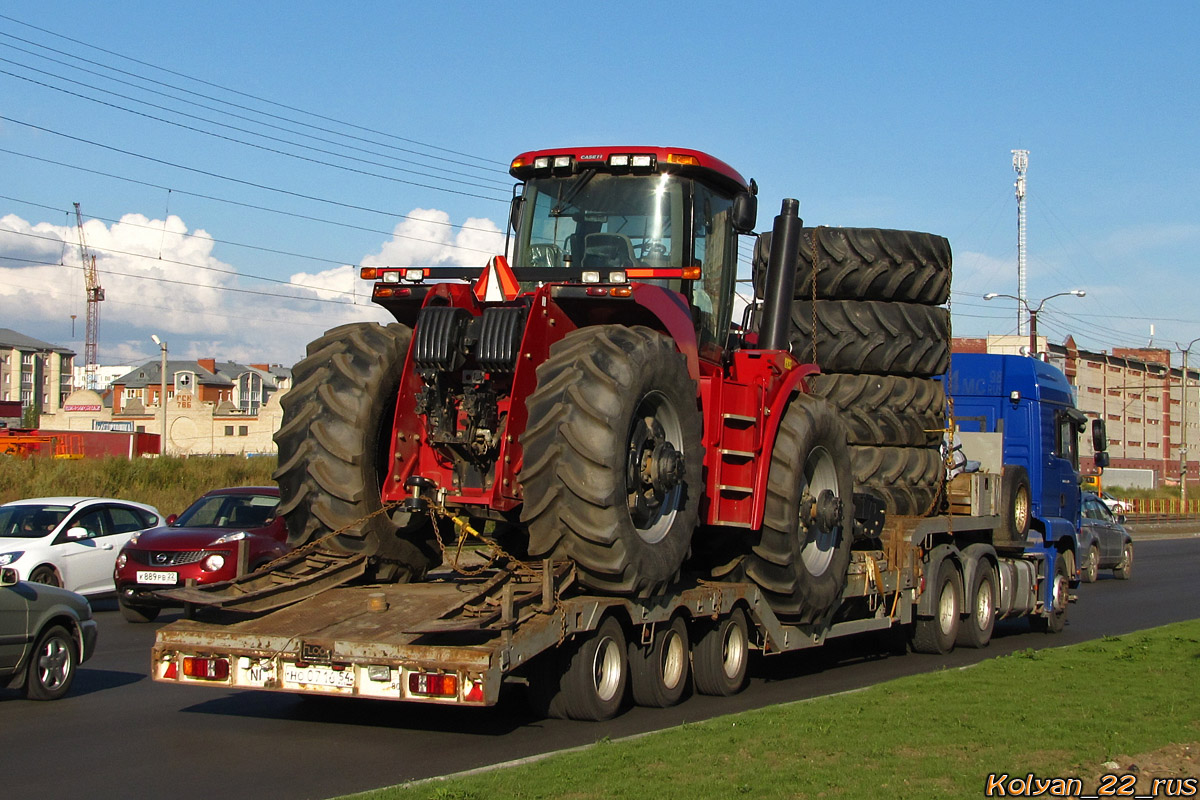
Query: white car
(1116,505)
(70,542)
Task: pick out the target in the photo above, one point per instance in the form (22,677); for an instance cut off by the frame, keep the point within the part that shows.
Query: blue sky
(898,115)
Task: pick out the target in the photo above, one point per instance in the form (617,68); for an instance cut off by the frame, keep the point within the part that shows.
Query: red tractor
(593,402)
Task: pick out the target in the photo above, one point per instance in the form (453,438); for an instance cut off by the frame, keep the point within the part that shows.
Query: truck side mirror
(745,210)
(1101,458)
(1099,436)
(514,211)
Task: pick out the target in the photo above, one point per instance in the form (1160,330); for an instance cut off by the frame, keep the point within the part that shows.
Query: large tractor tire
(334,450)
(803,549)
(886,410)
(612,459)
(866,264)
(873,337)
(904,501)
(913,467)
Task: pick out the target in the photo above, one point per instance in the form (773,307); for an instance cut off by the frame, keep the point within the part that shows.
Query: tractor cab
(616,215)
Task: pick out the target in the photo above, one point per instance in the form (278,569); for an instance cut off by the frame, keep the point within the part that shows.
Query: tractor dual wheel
(334,450)
(802,551)
(886,410)
(975,629)
(866,264)
(612,459)
(880,338)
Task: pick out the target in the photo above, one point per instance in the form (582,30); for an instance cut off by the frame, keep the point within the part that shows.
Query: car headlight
(8,558)
(214,562)
(231,537)
(121,559)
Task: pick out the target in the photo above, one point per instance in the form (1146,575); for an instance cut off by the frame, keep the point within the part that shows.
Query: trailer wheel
(658,672)
(334,446)
(802,551)
(975,629)
(585,681)
(612,466)
(866,263)
(1055,618)
(1124,570)
(721,656)
(861,336)
(1015,503)
(938,633)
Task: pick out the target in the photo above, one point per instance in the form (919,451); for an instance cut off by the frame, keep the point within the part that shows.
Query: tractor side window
(715,250)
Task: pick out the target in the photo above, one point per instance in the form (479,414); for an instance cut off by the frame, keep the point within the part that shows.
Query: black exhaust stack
(781,278)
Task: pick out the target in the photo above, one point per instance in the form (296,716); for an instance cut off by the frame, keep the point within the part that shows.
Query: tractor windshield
(595,221)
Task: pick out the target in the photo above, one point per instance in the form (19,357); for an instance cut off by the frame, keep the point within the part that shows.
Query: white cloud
(161,278)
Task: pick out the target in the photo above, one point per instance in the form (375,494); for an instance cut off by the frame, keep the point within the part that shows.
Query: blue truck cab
(1031,404)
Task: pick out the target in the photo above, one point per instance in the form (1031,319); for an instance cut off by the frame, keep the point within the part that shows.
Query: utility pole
(1020,163)
(1183,448)
(162,393)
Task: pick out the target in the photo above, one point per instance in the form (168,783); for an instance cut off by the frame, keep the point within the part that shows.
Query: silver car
(1104,543)
(45,634)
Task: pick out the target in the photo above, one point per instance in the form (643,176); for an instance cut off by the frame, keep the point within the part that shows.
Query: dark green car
(45,634)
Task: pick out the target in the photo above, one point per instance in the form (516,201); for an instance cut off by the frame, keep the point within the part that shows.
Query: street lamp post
(162,393)
(1034,311)
(1183,448)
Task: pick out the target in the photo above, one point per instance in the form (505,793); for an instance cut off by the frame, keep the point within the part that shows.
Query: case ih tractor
(595,402)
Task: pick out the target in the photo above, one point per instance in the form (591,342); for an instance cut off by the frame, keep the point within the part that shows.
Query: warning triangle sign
(497,283)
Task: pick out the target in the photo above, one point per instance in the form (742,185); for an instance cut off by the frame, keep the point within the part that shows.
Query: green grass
(1054,712)
(169,484)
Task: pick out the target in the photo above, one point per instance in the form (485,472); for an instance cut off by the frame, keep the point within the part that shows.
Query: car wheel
(1125,568)
(138,613)
(46,575)
(52,665)
(1092,571)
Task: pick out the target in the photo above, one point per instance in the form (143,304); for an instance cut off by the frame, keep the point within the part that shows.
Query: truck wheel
(1124,570)
(975,630)
(333,451)
(1056,617)
(886,410)
(803,549)
(721,657)
(612,468)
(658,672)
(937,634)
(866,263)
(137,613)
(587,680)
(1015,503)
(860,336)
(52,665)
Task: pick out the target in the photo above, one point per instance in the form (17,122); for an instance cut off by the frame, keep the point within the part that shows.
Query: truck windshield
(594,221)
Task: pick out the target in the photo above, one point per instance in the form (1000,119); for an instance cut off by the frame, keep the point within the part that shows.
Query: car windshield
(30,522)
(229,511)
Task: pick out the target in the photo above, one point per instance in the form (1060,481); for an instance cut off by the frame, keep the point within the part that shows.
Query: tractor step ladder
(737,456)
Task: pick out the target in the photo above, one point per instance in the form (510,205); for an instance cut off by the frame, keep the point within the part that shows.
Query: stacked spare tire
(868,309)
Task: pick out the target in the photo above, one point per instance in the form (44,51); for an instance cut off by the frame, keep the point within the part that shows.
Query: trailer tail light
(206,669)
(433,684)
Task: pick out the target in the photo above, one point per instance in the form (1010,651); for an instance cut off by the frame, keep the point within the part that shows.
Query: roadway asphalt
(120,735)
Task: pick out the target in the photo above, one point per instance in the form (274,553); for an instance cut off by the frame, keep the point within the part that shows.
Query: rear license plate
(158,578)
(316,675)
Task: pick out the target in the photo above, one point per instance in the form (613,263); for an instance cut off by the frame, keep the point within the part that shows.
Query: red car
(206,544)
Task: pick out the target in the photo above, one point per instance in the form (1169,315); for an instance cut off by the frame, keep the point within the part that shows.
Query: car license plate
(316,675)
(158,578)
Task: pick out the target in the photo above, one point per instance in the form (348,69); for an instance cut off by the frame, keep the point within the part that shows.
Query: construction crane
(95,294)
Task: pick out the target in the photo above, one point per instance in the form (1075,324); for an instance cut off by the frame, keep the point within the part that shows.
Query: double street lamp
(1033,311)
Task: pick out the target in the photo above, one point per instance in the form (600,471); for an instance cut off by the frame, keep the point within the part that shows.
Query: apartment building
(34,373)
